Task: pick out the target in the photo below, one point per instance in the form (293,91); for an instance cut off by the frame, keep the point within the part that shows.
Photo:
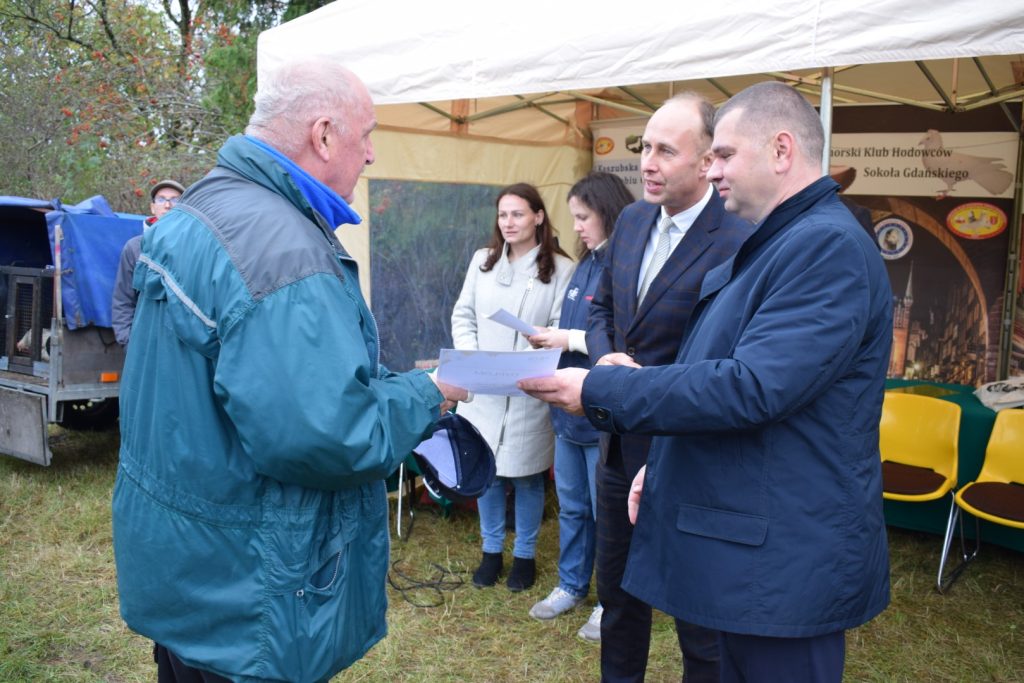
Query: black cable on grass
(434,587)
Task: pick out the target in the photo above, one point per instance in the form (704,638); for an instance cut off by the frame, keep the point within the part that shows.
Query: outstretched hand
(563,390)
(452,395)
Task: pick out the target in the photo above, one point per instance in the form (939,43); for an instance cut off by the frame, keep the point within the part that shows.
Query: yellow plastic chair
(996,495)
(918,438)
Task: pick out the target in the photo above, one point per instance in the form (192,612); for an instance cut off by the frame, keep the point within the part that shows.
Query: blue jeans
(529,511)
(576,486)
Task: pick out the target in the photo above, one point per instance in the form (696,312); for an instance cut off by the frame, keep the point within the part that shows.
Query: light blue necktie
(661,252)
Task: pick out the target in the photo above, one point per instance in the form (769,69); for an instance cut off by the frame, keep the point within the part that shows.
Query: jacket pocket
(725,525)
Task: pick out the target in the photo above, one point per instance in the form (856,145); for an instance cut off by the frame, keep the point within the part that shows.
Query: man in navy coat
(638,314)
(760,511)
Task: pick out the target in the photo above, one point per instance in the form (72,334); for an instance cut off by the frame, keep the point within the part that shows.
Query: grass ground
(59,619)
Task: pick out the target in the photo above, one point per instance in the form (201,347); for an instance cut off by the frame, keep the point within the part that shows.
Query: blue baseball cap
(455,461)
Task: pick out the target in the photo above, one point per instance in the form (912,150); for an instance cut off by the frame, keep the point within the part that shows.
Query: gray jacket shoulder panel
(252,222)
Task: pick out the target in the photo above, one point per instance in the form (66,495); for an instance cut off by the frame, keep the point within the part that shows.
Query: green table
(975,426)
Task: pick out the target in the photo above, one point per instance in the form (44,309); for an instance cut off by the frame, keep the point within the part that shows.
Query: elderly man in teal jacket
(257,424)
(760,514)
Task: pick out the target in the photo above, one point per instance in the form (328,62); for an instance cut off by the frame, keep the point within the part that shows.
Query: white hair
(295,95)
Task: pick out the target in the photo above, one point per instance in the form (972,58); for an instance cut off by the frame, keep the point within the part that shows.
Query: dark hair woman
(595,203)
(540,231)
(525,272)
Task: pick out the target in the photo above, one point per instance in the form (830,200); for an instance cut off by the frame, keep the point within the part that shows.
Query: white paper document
(503,317)
(495,372)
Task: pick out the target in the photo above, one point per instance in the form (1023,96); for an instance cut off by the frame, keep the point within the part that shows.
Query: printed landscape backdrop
(422,237)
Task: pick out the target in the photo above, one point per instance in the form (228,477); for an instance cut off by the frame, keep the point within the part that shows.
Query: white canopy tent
(542,71)
(472,74)
(441,51)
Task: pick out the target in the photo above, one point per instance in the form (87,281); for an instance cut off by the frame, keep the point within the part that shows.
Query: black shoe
(523,574)
(489,570)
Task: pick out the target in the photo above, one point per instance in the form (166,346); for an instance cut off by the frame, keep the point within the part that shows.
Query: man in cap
(257,424)
(760,510)
(162,198)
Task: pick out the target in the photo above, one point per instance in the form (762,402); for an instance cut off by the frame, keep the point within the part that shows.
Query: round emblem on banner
(603,145)
(976,221)
(894,238)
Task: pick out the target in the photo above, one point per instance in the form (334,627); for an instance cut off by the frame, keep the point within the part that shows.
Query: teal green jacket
(257,425)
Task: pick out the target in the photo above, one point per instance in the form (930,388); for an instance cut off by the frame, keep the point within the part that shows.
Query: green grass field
(59,618)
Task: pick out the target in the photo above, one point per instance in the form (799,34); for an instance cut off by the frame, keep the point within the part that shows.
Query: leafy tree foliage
(110,96)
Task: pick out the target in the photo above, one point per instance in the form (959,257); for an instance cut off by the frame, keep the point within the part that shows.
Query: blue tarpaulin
(93,236)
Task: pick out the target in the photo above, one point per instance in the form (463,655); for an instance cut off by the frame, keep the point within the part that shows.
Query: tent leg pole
(1013,275)
(827,74)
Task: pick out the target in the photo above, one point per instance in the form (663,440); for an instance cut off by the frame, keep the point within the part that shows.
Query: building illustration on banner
(947,283)
(904,344)
(937,203)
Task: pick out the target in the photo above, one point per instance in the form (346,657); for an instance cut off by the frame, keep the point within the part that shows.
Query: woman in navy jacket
(595,202)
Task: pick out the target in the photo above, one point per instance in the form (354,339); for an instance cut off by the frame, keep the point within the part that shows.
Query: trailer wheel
(90,415)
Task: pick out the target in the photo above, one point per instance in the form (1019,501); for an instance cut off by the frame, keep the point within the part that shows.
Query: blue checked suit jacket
(652,334)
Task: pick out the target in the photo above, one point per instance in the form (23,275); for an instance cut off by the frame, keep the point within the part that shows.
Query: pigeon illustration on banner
(953,167)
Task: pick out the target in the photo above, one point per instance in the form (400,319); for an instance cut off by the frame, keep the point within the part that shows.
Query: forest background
(110,96)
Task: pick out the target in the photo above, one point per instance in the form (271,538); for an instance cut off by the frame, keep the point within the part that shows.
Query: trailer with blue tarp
(59,361)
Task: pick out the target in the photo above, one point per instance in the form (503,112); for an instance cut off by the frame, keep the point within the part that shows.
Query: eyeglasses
(169,201)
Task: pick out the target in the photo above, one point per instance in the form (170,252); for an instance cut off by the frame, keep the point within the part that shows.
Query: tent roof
(542,58)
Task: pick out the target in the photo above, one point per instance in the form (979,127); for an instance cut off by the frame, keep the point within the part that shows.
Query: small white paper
(495,372)
(503,317)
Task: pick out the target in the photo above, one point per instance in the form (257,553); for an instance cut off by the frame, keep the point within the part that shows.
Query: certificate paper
(495,372)
(503,317)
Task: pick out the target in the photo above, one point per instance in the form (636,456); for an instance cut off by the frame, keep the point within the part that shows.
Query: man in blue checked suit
(657,257)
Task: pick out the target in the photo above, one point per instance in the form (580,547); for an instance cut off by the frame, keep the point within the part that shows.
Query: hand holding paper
(452,394)
(563,390)
(550,338)
(495,372)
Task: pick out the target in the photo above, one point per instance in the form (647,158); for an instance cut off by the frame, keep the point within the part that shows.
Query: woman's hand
(550,338)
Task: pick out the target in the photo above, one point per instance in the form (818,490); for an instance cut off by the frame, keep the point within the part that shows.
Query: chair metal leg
(956,521)
(402,492)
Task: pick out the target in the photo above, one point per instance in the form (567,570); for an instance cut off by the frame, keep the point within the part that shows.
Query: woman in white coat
(524,271)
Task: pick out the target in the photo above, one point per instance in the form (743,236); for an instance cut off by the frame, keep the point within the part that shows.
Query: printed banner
(946,260)
(926,164)
(617,145)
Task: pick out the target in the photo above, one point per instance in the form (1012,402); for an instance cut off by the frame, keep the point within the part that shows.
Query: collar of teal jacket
(262,164)
(252,161)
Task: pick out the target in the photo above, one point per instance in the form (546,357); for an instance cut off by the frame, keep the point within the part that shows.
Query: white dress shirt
(681,223)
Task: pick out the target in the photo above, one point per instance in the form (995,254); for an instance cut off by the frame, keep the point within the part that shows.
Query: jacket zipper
(355,299)
(515,337)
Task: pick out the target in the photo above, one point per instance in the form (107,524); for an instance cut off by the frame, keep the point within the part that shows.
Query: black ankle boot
(523,574)
(489,570)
